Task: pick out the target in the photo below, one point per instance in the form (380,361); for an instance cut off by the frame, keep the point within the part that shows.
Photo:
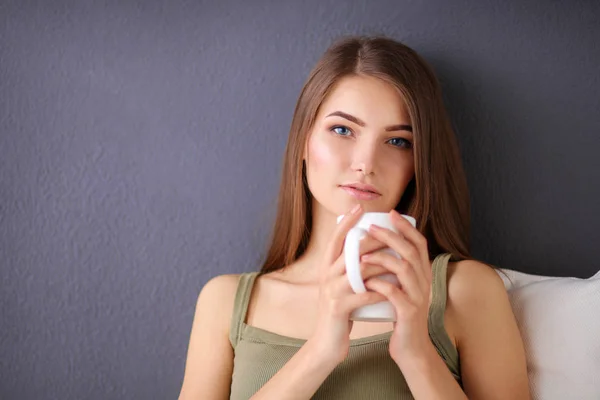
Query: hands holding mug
(337,300)
(404,299)
(410,299)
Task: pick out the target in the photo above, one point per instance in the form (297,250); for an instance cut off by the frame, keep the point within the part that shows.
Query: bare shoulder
(209,361)
(221,285)
(475,292)
(217,297)
(484,327)
(473,281)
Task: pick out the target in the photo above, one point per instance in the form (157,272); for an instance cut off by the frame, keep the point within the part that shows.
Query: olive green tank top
(367,373)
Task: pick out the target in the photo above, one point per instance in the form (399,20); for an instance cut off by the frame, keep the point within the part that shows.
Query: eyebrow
(352,118)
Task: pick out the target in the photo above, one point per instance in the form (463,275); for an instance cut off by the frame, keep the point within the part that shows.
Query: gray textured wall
(140,144)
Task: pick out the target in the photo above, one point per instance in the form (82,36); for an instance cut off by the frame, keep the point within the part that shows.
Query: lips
(362,187)
(361,191)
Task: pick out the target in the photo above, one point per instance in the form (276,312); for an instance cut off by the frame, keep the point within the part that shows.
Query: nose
(364,157)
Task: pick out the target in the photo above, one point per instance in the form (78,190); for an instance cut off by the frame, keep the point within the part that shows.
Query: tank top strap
(437,331)
(240,306)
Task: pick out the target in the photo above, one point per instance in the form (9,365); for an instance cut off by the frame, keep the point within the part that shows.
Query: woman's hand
(331,338)
(410,339)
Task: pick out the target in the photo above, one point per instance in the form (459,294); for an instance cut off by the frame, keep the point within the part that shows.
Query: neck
(323,227)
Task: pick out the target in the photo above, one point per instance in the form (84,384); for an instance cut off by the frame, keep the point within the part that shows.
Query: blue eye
(341,130)
(401,142)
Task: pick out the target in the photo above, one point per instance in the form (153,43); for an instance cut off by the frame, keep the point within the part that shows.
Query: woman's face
(362,135)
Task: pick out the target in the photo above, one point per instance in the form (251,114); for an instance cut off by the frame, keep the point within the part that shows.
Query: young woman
(369,133)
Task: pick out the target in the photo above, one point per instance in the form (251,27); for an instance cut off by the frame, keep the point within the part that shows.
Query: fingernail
(356,209)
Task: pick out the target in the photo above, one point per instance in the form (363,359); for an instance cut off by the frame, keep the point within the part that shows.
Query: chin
(344,206)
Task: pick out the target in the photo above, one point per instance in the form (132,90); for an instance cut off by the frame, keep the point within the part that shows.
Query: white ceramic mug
(382,311)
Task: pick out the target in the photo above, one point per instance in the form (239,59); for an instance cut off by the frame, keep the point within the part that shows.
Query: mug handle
(351,258)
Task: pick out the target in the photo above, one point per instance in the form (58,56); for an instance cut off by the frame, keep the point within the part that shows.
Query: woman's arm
(492,357)
(411,348)
(210,358)
(478,312)
(329,345)
(306,371)
(300,377)
(209,363)
(428,377)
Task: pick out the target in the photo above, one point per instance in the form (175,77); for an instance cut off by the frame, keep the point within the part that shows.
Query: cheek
(397,165)
(399,172)
(320,152)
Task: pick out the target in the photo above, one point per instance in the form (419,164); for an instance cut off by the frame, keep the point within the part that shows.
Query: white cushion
(559,320)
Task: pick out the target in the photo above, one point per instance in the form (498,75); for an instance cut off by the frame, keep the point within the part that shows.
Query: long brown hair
(437,196)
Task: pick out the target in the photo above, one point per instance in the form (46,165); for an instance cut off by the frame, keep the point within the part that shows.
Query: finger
(371,270)
(405,272)
(399,299)
(367,245)
(339,234)
(407,230)
(362,299)
(399,244)
(339,266)
(413,236)
(341,284)
(370,244)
